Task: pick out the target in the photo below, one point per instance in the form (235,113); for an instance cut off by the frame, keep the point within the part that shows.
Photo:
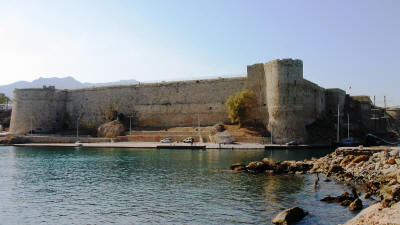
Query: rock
(289,216)
(299,172)
(256,166)
(342,197)
(398,175)
(219,127)
(386,203)
(391,161)
(392,182)
(376,215)
(335,169)
(235,165)
(326,179)
(111,129)
(360,158)
(328,199)
(238,167)
(346,160)
(356,205)
(396,192)
(346,202)
(269,163)
(367,195)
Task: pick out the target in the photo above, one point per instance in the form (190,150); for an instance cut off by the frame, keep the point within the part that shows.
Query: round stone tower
(38,109)
(284,78)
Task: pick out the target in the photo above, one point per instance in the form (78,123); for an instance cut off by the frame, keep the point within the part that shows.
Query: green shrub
(240,106)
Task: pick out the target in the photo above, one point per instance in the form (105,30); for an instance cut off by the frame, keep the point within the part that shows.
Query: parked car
(166,140)
(188,140)
(292,143)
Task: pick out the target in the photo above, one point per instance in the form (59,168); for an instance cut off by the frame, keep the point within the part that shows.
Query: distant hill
(59,83)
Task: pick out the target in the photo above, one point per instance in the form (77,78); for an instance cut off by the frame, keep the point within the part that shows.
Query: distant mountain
(59,83)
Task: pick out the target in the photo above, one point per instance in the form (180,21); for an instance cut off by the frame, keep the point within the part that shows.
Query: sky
(342,43)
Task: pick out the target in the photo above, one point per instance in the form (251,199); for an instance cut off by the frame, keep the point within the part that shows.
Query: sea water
(44,185)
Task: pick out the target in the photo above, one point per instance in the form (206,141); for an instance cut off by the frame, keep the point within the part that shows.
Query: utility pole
(130,124)
(31,126)
(77,127)
(338,124)
(198,126)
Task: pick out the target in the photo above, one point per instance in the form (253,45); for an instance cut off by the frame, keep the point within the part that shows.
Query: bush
(240,106)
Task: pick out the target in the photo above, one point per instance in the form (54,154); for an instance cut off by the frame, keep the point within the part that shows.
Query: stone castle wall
(157,105)
(285,102)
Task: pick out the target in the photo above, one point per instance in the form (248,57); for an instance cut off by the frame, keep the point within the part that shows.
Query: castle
(286,102)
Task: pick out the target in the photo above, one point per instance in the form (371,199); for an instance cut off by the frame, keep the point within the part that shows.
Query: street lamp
(31,125)
(77,127)
(130,124)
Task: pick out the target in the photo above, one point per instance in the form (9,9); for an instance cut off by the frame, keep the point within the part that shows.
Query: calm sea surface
(128,186)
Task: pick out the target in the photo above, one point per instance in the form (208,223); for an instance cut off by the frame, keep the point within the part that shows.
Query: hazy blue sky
(341,43)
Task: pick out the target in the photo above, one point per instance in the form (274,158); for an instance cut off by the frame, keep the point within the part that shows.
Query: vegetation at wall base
(240,106)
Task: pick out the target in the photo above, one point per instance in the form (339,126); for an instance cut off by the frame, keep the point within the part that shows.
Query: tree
(240,106)
(4,99)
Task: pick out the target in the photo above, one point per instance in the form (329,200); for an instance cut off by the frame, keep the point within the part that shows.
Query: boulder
(111,129)
(360,158)
(328,199)
(255,166)
(367,195)
(219,127)
(346,202)
(346,160)
(270,163)
(391,161)
(289,216)
(395,192)
(335,169)
(343,197)
(235,165)
(356,205)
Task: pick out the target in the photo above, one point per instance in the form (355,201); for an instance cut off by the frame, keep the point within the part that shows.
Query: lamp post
(31,126)
(130,124)
(77,127)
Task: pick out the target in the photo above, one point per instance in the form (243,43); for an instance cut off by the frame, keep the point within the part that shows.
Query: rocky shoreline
(371,172)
